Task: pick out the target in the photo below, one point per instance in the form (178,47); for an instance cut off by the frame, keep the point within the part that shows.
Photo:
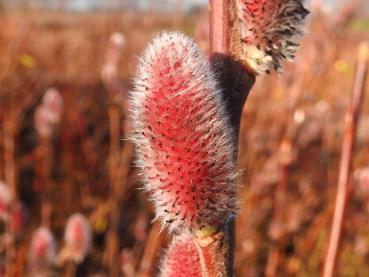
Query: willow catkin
(270,31)
(182,258)
(184,142)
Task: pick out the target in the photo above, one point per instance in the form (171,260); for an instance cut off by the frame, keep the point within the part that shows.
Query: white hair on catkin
(184,143)
(181,258)
(270,31)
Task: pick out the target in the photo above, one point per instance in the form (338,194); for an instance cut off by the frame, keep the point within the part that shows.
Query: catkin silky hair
(184,142)
(270,31)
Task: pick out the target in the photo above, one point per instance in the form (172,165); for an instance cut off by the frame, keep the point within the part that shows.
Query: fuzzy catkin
(5,200)
(270,30)
(181,259)
(185,146)
(78,237)
(42,252)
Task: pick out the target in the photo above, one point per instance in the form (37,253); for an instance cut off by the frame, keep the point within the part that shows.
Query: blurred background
(70,203)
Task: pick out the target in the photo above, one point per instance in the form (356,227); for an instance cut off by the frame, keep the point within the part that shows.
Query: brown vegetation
(290,146)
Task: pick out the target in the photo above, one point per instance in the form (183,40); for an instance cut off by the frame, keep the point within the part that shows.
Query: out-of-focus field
(290,145)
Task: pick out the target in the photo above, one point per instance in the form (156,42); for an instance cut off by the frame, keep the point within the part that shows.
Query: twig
(153,243)
(71,269)
(286,157)
(119,157)
(348,146)
(219,26)
(236,82)
(10,179)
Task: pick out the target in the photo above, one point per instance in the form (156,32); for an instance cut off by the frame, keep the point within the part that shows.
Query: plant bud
(42,252)
(362,181)
(5,201)
(185,145)
(109,71)
(53,102)
(49,113)
(78,237)
(181,258)
(270,30)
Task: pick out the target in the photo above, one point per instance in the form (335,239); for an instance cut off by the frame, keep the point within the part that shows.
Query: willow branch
(348,146)
(236,82)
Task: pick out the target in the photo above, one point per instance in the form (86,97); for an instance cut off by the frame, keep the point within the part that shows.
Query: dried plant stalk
(236,80)
(348,146)
(119,157)
(219,26)
(153,244)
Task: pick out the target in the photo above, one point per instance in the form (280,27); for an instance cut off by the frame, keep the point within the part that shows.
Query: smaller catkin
(270,30)
(182,258)
(5,201)
(185,146)
(42,252)
(78,237)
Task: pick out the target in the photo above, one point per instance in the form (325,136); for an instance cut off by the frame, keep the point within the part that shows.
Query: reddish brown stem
(236,83)
(219,26)
(218,255)
(348,146)
(112,245)
(153,243)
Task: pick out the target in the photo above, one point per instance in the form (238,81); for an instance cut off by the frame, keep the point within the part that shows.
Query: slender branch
(153,243)
(234,77)
(236,82)
(119,156)
(348,146)
(219,26)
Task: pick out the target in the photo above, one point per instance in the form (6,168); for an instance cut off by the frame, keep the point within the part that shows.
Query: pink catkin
(42,251)
(182,258)
(361,176)
(78,237)
(49,113)
(109,72)
(5,201)
(270,30)
(53,102)
(184,142)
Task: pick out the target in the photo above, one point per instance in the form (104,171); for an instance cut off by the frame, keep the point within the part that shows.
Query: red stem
(348,146)
(219,26)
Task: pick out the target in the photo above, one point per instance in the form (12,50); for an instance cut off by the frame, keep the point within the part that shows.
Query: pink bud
(270,30)
(109,72)
(184,142)
(127,261)
(48,114)
(118,40)
(182,258)
(42,123)
(42,252)
(53,103)
(5,201)
(78,237)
